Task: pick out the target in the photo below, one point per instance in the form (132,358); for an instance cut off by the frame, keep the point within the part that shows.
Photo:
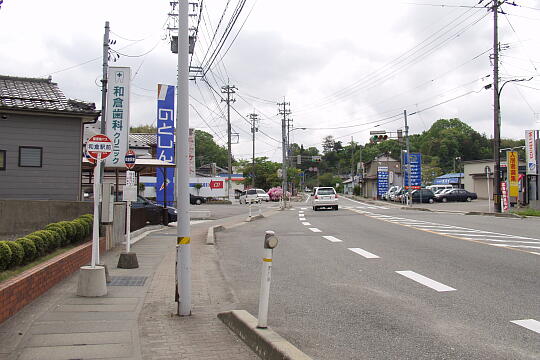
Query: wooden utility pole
(229,90)
(254,118)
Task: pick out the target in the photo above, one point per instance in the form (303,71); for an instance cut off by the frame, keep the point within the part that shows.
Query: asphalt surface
(221,211)
(416,285)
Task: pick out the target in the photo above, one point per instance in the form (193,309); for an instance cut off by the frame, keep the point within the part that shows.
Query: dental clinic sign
(117,114)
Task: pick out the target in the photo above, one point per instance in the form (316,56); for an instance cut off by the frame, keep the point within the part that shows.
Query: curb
(255,217)
(142,232)
(266,343)
(495,214)
(210,236)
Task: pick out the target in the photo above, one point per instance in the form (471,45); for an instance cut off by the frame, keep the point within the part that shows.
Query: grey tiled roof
(143,139)
(39,94)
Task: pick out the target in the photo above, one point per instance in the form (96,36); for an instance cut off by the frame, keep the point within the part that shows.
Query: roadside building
(369,185)
(40,140)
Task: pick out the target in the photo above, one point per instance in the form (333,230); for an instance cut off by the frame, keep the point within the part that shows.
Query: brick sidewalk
(202,335)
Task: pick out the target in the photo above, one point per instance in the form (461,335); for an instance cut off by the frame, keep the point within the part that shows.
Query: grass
(8,274)
(527,212)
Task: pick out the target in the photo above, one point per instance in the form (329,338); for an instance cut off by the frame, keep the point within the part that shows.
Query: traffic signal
(377,138)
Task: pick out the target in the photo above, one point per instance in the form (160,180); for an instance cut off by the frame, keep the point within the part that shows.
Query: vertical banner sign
(191,140)
(513,175)
(416,171)
(504,194)
(382,180)
(117,115)
(165,144)
(530,153)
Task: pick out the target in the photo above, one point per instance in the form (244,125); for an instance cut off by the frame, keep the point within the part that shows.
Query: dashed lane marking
(421,279)
(332,239)
(315,230)
(530,324)
(306,223)
(364,253)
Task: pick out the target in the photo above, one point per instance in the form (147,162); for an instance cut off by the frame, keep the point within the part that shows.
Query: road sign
(382,180)
(130,158)
(99,146)
(415,170)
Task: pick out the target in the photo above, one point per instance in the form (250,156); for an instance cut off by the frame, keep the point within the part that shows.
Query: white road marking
(530,324)
(302,219)
(309,197)
(306,223)
(516,246)
(505,241)
(315,230)
(332,239)
(303,208)
(435,285)
(364,253)
(535,253)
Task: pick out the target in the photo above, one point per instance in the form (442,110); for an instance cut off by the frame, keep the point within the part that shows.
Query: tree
(207,151)
(265,172)
(143,129)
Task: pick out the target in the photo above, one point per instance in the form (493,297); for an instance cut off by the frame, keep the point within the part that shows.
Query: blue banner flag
(165,144)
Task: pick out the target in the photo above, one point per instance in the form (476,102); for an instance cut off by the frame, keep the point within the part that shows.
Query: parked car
(324,197)
(253,196)
(152,206)
(196,199)
(457,195)
(388,195)
(441,192)
(423,196)
(262,195)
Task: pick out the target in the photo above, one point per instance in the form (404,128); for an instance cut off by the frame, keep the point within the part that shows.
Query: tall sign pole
(183,247)
(409,193)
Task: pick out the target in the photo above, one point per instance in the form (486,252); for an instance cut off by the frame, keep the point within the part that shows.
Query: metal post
(95,232)
(183,247)
(128,226)
(489,195)
(250,208)
(270,242)
(409,195)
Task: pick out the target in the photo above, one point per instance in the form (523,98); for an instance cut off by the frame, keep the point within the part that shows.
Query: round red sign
(99,146)
(130,158)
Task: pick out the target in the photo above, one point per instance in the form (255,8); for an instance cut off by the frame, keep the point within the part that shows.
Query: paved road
(374,282)
(220,211)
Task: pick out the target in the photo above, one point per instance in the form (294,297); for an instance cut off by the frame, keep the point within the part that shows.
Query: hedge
(5,255)
(39,243)
(29,248)
(17,253)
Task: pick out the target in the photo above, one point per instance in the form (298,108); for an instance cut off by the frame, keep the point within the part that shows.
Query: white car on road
(254,196)
(324,197)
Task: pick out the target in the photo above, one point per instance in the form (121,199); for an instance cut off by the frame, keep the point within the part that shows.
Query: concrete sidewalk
(136,320)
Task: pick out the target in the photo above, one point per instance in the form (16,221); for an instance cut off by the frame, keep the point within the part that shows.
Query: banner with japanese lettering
(117,114)
(513,175)
(165,144)
(530,152)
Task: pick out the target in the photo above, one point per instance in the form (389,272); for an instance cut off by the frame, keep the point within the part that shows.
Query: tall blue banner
(382,180)
(416,170)
(165,144)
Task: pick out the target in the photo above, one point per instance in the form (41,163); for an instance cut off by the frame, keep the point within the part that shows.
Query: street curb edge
(266,343)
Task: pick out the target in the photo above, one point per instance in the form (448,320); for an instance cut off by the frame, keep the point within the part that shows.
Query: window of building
(30,156)
(2,159)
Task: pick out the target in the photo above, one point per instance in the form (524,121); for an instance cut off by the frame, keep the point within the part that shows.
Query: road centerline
(364,253)
(315,230)
(332,238)
(531,324)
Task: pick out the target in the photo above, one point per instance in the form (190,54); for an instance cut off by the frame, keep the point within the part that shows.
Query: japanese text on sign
(117,114)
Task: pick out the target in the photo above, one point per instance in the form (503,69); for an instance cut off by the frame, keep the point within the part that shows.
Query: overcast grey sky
(348,63)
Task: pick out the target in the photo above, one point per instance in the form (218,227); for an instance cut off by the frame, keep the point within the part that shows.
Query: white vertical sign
(191,140)
(530,152)
(117,114)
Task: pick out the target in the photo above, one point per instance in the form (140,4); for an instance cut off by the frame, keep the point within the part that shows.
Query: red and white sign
(216,184)
(130,158)
(504,196)
(99,146)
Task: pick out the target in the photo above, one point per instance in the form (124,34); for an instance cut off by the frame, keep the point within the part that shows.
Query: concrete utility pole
(409,193)
(229,90)
(284,112)
(496,112)
(183,247)
(104,80)
(254,118)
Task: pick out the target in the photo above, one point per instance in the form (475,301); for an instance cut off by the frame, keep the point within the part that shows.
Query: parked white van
(439,187)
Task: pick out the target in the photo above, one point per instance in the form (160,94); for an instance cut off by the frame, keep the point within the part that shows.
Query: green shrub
(80,230)
(60,230)
(87,226)
(47,238)
(30,250)
(70,230)
(42,244)
(5,255)
(88,216)
(17,253)
(53,239)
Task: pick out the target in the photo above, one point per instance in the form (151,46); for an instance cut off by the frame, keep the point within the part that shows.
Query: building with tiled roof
(40,140)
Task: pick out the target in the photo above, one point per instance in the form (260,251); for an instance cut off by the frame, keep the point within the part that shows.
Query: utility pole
(183,247)
(229,90)
(253,117)
(409,193)
(496,112)
(104,80)
(284,112)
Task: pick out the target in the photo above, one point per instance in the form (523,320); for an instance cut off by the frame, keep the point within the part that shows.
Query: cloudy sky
(346,67)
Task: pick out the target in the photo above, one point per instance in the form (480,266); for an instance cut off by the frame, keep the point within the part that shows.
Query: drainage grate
(127,280)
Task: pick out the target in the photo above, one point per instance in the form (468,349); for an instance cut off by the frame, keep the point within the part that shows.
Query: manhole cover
(127,280)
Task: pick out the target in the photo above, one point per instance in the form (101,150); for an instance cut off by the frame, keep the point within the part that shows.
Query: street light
(497,142)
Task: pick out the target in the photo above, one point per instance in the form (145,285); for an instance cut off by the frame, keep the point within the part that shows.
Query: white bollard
(260,202)
(270,242)
(250,209)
